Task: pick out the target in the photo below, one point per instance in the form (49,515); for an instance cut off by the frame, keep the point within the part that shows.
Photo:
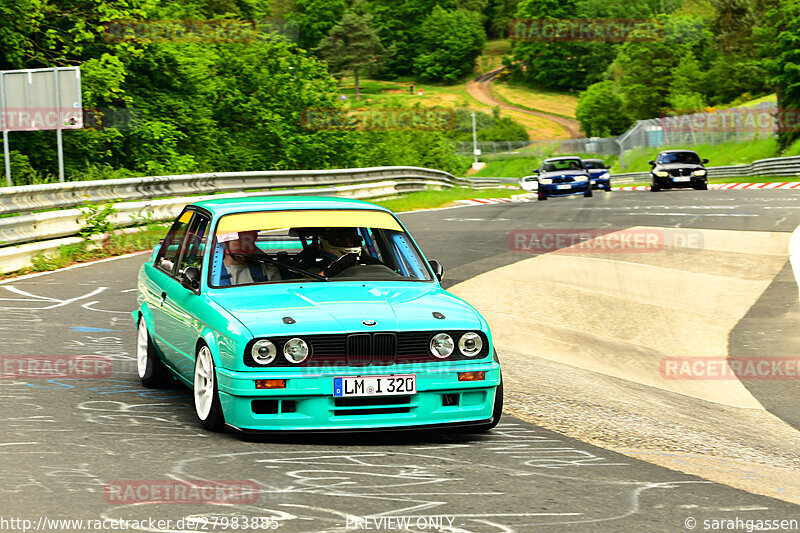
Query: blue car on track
(563,176)
(599,175)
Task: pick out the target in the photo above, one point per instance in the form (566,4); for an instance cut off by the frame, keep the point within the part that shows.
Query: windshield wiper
(263,258)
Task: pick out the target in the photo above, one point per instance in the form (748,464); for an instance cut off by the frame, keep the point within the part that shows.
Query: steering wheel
(346,261)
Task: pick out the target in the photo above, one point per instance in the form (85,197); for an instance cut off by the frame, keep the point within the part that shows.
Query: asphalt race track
(65,440)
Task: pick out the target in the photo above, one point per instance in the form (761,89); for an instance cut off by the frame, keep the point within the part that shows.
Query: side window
(195,243)
(171,247)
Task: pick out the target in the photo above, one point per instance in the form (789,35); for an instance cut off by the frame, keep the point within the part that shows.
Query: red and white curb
(527,197)
(727,186)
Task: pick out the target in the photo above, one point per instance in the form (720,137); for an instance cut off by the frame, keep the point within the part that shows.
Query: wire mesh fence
(738,124)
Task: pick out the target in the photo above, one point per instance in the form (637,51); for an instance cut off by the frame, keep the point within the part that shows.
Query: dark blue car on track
(563,176)
(599,175)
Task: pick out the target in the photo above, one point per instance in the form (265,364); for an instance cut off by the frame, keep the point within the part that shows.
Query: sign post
(37,100)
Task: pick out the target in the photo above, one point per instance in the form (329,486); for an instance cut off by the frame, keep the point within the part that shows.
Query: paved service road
(67,440)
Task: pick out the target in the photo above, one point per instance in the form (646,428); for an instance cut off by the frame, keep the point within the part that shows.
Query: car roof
(225,206)
(677,152)
(592,159)
(561,158)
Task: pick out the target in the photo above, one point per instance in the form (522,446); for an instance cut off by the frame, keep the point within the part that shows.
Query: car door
(180,326)
(159,278)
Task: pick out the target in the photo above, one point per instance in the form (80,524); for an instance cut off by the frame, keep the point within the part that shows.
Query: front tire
(588,193)
(206,394)
(654,187)
(541,196)
(152,372)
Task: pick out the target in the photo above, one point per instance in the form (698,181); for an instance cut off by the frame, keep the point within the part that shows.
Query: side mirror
(536,171)
(191,278)
(437,268)
(704,161)
(156,249)
(652,163)
(608,167)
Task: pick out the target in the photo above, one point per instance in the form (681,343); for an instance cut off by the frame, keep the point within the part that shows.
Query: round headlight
(662,174)
(700,172)
(295,350)
(470,344)
(545,181)
(263,352)
(442,345)
(581,178)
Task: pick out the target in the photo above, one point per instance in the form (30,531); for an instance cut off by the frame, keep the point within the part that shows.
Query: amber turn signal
(471,376)
(270,383)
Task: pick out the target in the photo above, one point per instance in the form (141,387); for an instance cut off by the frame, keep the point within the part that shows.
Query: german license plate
(375,385)
(682,178)
(563,186)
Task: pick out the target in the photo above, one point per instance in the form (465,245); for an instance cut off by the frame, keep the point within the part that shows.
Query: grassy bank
(535,100)
(431,199)
(729,153)
(523,166)
(118,243)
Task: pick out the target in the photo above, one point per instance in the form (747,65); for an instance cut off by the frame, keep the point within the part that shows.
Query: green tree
(601,111)
(398,24)
(315,19)
(779,40)
(353,44)
(686,90)
(568,65)
(450,41)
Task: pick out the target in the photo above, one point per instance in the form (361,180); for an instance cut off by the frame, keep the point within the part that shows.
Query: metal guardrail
(29,198)
(161,198)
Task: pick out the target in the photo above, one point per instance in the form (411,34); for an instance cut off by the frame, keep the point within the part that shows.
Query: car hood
(342,307)
(595,172)
(669,166)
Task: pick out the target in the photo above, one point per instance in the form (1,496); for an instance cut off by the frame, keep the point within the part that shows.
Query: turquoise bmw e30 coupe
(311,314)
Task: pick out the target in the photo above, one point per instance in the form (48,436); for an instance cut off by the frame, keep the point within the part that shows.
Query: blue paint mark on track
(81,329)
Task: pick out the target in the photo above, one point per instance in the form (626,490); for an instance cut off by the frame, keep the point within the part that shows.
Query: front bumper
(601,183)
(671,183)
(307,402)
(576,187)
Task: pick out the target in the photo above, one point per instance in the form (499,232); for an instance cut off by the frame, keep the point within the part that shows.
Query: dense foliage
(710,53)
(185,105)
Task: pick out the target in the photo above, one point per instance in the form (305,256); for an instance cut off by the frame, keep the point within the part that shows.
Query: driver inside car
(240,264)
(341,248)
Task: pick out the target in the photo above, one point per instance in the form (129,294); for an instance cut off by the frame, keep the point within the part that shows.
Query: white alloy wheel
(142,342)
(203,383)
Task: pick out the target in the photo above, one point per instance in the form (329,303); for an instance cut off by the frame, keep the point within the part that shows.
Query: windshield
(593,164)
(314,245)
(562,164)
(679,157)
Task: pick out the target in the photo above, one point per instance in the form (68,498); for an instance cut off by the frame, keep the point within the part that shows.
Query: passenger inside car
(240,263)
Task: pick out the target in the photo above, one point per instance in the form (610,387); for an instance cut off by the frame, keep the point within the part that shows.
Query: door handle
(163,297)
